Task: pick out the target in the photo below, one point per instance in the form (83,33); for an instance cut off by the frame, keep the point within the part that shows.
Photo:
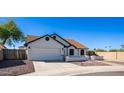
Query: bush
(116,50)
(90,53)
(100,50)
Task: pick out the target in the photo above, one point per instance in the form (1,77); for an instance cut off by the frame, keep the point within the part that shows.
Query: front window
(82,52)
(71,52)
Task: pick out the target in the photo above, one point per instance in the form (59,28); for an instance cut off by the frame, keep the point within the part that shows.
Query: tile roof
(31,38)
(75,43)
(72,42)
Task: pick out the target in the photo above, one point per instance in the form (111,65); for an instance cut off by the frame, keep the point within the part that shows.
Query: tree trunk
(4,41)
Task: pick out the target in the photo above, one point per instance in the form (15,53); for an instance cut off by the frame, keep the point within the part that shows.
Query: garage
(45,49)
(46,54)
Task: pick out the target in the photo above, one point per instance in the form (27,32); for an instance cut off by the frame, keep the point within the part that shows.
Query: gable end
(43,37)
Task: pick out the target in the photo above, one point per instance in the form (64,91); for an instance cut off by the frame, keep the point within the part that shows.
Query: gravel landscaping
(90,63)
(15,67)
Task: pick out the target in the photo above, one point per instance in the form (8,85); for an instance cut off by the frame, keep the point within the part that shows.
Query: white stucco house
(53,48)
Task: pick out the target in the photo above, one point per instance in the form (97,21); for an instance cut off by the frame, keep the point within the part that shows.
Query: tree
(10,33)
(91,52)
(114,50)
(100,50)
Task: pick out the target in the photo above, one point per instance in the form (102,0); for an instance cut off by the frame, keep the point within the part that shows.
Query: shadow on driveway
(11,63)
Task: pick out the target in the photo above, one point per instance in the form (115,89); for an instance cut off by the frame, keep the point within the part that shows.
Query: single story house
(53,48)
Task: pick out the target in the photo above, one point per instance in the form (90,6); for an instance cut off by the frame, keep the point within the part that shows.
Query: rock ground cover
(16,67)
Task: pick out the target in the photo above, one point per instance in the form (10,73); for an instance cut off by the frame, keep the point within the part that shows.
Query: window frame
(71,52)
(47,38)
(81,52)
(54,37)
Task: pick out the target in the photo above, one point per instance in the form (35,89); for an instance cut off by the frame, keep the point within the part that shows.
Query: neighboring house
(2,47)
(22,47)
(53,47)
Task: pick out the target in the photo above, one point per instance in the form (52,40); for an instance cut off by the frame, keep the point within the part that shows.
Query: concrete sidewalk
(60,69)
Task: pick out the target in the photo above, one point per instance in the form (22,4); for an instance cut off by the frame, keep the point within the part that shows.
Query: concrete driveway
(64,68)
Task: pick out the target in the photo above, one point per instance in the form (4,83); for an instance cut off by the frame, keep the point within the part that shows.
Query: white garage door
(45,54)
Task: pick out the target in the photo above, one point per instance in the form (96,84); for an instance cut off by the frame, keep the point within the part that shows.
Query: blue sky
(94,32)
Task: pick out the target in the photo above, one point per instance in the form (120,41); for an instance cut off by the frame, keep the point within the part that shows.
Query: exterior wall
(43,44)
(1,55)
(85,51)
(61,40)
(111,55)
(120,55)
(65,51)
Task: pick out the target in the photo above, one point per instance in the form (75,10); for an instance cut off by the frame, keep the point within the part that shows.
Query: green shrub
(90,53)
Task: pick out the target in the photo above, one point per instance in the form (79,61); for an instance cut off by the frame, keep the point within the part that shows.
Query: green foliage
(100,50)
(90,53)
(116,50)
(10,33)
(113,50)
(121,50)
